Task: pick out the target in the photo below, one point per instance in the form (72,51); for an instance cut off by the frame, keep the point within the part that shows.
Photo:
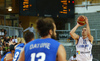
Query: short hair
(20,22)
(11,47)
(75,55)
(31,24)
(15,35)
(84,27)
(28,36)
(44,25)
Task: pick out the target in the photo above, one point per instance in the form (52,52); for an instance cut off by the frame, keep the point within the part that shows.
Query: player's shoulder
(8,53)
(20,45)
(50,40)
(53,40)
(31,42)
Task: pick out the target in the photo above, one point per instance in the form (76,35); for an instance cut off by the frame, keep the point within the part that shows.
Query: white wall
(90,9)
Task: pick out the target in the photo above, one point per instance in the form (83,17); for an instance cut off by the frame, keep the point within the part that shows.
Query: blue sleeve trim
(90,42)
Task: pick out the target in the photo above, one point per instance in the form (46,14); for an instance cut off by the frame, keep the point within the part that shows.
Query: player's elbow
(88,34)
(71,33)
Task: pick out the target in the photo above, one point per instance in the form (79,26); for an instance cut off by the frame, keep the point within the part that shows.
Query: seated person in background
(6,39)
(15,40)
(9,55)
(73,58)
(7,48)
(1,51)
(12,38)
(3,47)
(0,43)
(3,33)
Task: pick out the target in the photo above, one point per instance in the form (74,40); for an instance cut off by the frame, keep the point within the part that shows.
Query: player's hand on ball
(79,24)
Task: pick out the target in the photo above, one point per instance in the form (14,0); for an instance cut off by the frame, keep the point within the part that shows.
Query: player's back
(17,51)
(41,50)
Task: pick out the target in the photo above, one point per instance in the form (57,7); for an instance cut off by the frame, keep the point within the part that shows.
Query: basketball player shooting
(84,43)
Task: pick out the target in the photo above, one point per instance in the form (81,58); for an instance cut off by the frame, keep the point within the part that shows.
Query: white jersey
(83,50)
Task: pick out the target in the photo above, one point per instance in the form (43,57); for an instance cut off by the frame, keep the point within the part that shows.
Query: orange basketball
(81,20)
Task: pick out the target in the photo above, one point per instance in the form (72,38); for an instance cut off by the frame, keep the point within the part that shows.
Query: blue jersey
(4,56)
(17,51)
(41,50)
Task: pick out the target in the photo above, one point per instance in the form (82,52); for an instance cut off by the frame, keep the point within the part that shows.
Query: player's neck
(46,37)
(84,37)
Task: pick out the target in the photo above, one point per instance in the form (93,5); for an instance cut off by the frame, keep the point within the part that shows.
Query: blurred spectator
(12,38)
(6,39)
(31,28)
(70,38)
(3,47)
(0,43)
(20,24)
(15,40)
(1,51)
(9,55)
(19,30)
(11,43)
(4,43)
(7,47)
(73,58)
(3,33)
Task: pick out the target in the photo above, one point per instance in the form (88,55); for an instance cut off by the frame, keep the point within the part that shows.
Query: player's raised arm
(22,56)
(88,31)
(61,53)
(73,34)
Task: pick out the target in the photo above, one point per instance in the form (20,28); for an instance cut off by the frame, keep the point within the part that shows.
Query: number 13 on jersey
(40,54)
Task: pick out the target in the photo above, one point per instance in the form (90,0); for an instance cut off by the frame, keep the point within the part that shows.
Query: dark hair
(15,35)
(74,55)
(11,47)
(31,24)
(44,25)
(84,27)
(20,22)
(28,36)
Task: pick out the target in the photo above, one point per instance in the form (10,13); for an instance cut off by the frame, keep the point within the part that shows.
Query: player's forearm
(88,29)
(74,29)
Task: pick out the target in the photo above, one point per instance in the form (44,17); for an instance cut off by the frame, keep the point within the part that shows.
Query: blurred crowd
(6,41)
